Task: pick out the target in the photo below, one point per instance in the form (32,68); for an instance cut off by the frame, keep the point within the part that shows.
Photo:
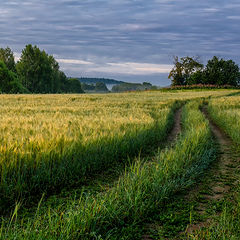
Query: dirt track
(176,128)
(219,179)
(222,176)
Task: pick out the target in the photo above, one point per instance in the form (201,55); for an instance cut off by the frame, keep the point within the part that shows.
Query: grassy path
(188,212)
(222,180)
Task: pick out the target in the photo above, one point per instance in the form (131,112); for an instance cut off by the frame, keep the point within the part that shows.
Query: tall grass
(225,111)
(139,193)
(57,140)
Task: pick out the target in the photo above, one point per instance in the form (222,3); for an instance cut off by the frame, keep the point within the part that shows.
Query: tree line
(190,71)
(35,72)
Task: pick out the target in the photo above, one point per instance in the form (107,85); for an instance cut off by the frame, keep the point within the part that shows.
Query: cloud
(234,17)
(136,68)
(122,37)
(73,61)
(126,68)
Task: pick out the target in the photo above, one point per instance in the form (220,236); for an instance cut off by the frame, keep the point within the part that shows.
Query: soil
(176,128)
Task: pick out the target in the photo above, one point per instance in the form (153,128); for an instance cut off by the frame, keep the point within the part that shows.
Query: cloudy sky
(131,40)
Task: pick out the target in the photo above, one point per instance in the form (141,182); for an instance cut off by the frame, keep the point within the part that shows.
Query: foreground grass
(117,213)
(48,142)
(58,140)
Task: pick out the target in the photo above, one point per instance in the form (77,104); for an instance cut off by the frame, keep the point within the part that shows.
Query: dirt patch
(176,128)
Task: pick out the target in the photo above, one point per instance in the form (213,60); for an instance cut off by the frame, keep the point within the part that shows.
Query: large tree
(34,70)
(6,55)
(221,72)
(183,70)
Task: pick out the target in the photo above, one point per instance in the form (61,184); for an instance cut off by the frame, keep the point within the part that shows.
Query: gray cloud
(122,32)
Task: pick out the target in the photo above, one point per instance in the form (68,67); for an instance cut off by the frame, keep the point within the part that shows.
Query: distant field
(48,142)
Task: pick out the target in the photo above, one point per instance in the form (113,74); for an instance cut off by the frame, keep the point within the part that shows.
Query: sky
(128,40)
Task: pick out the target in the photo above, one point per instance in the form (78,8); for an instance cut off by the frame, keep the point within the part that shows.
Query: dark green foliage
(189,71)
(9,82)
(73,86)
(37,71)
(182,72)
(98,87)
(220,72)
(6,55)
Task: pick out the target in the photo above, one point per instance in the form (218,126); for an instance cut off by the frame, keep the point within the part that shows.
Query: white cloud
(73,61)
(234,17)
(211,10)
(131,68)
(137,68)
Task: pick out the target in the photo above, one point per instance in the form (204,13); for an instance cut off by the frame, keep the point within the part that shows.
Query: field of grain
(55,142)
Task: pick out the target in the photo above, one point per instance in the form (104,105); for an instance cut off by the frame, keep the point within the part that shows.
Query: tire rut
(223,171)
(176,128)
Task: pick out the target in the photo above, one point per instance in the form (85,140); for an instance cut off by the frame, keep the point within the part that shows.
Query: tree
(183,69)
(39,72)
(9,82)
(74,86)
(6,55)
(221,72)
(31,68)
(176,74)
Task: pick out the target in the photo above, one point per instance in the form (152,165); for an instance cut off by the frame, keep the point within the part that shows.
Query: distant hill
(95,80)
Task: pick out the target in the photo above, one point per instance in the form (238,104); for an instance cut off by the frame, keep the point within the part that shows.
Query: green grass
(225,112)
(118,212)
(41,167)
